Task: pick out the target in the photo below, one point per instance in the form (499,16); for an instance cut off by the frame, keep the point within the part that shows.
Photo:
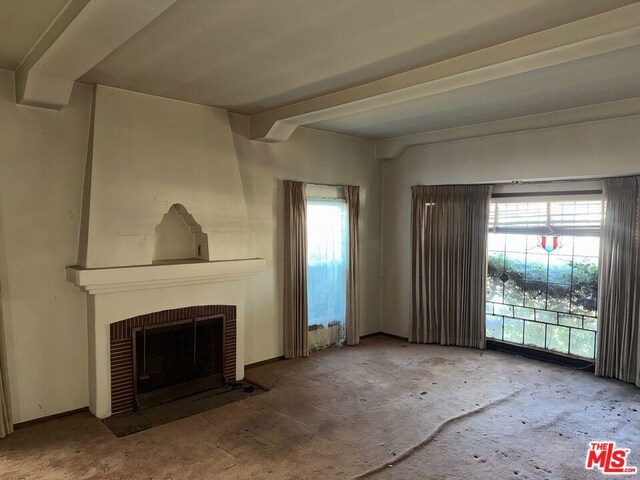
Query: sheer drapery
(352,194)
(6,422)
(295,270)
(619,286)
(327,254)
(449,264)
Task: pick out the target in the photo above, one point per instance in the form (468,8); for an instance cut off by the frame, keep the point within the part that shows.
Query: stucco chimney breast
(147,154)
(162,181)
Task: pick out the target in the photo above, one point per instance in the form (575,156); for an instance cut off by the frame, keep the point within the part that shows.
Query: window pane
(590,323)
(558,338)
(514,265)
(546,316)
(513,294)
(534,334)
(496,263)
(535,295)
(559,297)
(489,308)
(496,242)
(494,327)
(560,267)
(516,243)
(327,239)
(586,246)
(582,343)
(501,309)
(494,289)
(585,271)
(537,267)
(584,300)
(513,330)
(570,320)
(526,313)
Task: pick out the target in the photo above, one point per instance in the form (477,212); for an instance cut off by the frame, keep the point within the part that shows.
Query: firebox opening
(178,359)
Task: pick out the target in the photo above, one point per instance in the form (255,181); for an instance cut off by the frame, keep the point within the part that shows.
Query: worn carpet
(384,409)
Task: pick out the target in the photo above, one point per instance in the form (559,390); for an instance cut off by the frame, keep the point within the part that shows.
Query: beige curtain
(449,264)
(295,270)
(6,422)
(619,286)
(352,194)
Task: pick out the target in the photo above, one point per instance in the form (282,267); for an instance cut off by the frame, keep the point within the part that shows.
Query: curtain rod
(327,184)
(563,180)
(545,194)
(525,182)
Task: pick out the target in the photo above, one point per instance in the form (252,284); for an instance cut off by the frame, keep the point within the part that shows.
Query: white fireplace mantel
(118,279)
(119,293)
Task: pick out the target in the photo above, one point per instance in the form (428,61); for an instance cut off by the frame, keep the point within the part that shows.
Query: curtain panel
(6,422)
(619,286)
(352,194)
(295,271)
(449,264)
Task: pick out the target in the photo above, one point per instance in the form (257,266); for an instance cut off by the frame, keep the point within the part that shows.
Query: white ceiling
(21,24)
(253,55)
(597,79)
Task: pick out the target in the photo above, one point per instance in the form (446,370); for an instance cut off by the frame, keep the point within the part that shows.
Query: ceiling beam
(396,147)
(84,33)
(603,33)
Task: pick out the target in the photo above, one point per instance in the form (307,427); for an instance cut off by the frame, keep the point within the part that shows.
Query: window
(327,253)
(542,286)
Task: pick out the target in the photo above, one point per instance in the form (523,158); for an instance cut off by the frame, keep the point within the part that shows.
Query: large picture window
(543,275)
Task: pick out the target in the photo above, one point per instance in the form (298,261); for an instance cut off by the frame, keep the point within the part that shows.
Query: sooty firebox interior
(178,359)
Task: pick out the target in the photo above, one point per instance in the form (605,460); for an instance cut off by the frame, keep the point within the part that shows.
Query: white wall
(309,156)
(148,154)
(597,149)
(42,162)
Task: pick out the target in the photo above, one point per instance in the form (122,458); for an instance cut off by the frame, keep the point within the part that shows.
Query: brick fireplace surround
(121,335)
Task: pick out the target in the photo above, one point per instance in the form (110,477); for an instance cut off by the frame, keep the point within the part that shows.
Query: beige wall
(148,154)
(595,149)
(309,156)
(42,164)
(42,161)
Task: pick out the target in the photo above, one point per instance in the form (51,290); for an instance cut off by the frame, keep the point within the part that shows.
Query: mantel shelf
(144,277)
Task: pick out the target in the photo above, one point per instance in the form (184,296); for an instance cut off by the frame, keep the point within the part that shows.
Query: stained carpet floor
(384,409)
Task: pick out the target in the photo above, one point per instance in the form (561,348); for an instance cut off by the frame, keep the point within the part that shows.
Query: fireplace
(119,300)
(162,356)
(144,247)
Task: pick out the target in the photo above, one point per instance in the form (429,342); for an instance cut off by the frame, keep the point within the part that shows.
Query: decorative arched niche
(179,237)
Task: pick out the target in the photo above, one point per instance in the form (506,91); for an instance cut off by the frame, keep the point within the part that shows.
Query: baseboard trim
(384,334)
(35,421)
(264,362)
